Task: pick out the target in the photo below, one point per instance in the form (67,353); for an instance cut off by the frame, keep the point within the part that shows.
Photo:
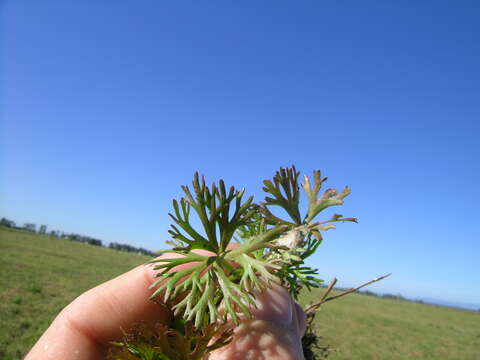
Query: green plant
(164,343)
(212,279)
(35,288)
(240,246)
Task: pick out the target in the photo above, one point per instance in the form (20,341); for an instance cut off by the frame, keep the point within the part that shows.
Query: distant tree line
(385,295)
(74,237)
(400,297)
(129,248)
(388,296)
(83,239)
(7,223)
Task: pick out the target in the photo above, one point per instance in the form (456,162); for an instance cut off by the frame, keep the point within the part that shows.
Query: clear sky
(108,107)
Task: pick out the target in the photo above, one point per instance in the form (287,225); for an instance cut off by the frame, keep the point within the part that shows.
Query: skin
(84,328)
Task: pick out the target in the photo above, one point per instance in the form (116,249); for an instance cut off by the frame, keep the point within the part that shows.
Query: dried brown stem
(311,310)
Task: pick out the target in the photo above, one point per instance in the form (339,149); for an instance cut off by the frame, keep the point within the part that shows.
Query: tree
(7,223)
(43,229)
(30,227)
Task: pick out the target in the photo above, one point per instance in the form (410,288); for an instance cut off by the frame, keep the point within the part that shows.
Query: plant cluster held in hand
(208,276)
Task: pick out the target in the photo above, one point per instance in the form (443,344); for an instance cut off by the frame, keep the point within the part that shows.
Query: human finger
(83,329)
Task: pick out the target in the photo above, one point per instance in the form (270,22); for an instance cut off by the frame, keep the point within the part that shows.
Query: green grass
(367,327)
(40,275)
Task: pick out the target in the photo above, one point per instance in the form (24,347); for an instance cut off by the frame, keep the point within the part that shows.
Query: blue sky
(108,107)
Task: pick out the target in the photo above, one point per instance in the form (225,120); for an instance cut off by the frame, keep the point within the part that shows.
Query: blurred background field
(41,274)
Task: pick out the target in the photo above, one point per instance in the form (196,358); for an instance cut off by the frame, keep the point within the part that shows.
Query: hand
(84,328)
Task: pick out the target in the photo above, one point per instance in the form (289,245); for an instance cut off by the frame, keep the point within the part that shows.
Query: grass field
(368,327)
(40,275)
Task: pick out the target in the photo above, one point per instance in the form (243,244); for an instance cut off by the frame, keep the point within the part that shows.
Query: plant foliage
(304,236)
(203,265)
(239,246)
(164,343)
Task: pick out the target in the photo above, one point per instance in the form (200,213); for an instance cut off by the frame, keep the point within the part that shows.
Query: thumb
(274,332)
